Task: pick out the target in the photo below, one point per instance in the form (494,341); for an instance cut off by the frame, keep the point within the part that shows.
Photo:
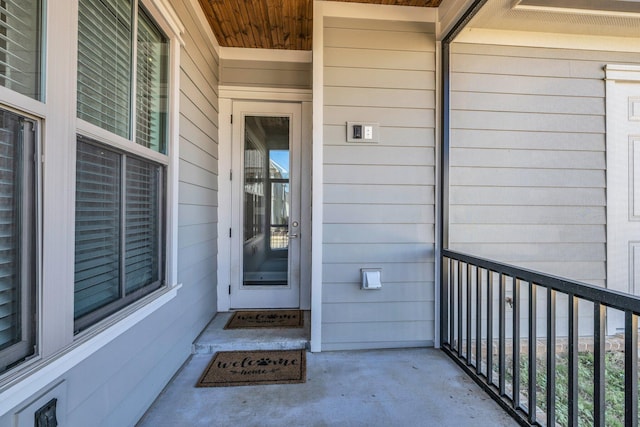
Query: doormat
(266,319)
(235,368)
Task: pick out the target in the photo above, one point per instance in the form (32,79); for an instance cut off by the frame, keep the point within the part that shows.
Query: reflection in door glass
(266,201)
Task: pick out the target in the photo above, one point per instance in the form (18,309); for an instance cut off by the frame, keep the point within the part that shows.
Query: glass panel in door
(266,201)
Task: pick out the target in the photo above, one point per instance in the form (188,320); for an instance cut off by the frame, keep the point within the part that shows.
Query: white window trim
(173,29)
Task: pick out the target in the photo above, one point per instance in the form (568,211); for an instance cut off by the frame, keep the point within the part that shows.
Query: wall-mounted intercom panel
(363,132)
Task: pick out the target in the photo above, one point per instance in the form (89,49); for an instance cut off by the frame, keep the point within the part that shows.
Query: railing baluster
(502,334)
(573,361)
(478,320)
(452,301)
(599,337)
(532,352)
(551,357)
(516,342)
(630,369)
(459,346)
(468,314)
(489,326)
(444,297)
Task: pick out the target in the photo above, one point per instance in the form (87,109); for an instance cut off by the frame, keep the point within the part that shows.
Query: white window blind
(151,97)
(17,265)
(142,224)
(20,40)
(118,230)
(105,64)
(97,261)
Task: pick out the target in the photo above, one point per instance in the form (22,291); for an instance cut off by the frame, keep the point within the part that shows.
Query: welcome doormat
(266,319)
(235,368)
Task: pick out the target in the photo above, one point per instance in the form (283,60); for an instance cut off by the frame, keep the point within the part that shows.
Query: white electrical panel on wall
(363,132)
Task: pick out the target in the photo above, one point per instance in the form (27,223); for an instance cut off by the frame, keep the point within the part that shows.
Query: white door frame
(228,95)
(620,273)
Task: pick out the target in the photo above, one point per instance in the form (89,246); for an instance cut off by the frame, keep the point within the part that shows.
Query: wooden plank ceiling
(273,24)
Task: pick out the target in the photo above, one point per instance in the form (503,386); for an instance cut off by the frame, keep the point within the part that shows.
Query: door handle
(292,236)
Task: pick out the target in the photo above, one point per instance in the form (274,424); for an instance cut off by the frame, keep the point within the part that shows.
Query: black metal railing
(543,347)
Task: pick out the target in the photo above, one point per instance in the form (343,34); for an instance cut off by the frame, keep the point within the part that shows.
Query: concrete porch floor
(407,387)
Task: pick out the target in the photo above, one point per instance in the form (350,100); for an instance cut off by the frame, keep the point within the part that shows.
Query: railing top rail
(610,298)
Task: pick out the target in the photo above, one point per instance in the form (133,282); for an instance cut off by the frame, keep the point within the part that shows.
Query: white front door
(265,243)
(623,185)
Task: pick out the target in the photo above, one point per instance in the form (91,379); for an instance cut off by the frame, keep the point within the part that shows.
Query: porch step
(215,338)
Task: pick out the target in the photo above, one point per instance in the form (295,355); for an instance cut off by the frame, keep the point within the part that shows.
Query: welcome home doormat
(266,319)
(235,368)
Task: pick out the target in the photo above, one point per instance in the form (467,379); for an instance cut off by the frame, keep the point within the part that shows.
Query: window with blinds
(118,230)
(107,71)
(122,88)
(17,239)
(151,83)
(20,42)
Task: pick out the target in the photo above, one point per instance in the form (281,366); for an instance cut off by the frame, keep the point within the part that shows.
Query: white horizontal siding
(377,38)
(376,58)
(344,293)
(529,122)
(532,196)
(368,253)
(379,174)
(378,155)
(527,233)
(383,312)
(379,78)
(387,214)
(377,233)
(379,194)
(524,214)
(537,177)
(524,159)
(362,335)
(516,84)
(478,101)
(522,140)
(379,198)
(293,75)
(528,157)
(528,253)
